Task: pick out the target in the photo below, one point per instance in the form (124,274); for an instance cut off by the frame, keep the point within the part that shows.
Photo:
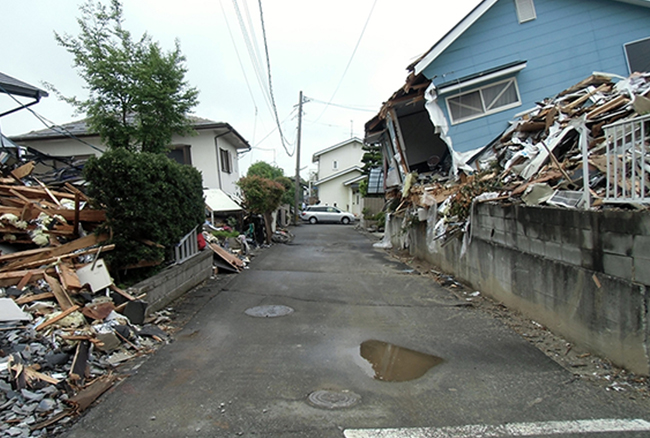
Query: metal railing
(627,156)
(187,247)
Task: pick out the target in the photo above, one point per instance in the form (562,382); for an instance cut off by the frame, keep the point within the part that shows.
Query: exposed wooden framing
(62,297)
(77,192)
(396,134)
(612,104)
(31,298)
(75,245)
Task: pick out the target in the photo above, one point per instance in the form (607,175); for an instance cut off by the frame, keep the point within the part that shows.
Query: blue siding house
(507,54)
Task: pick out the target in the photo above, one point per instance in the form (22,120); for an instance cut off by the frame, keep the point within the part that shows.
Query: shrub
(147,197)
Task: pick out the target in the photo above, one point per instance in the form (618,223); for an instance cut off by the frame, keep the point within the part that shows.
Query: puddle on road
(391,363)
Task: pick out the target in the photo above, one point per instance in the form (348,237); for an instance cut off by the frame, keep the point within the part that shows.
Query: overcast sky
(310,44)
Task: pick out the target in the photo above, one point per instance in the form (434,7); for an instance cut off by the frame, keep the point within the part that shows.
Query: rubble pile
(539,159)
(64,325)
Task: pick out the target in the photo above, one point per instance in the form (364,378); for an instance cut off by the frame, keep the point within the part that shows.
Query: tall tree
(137,93)
(261,196)
(274,173)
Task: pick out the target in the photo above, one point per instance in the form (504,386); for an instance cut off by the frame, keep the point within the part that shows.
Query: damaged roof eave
(410,93)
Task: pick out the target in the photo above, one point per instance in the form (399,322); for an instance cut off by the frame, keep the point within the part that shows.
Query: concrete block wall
(174,281)
(582,274)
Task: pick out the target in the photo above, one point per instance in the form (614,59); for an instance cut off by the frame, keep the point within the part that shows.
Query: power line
(350,107)
(241,64)
(268,65)
(53,126)
(351,58)
(252,55)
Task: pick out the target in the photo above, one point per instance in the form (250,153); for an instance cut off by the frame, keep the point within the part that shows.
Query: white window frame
(486,112)
(525,10)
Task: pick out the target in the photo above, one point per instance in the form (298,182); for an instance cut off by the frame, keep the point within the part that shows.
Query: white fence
(187,247)
(628,161)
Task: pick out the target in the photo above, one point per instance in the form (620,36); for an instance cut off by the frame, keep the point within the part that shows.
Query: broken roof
(439,47)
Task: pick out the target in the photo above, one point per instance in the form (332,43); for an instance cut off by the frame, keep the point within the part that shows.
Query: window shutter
(525,10)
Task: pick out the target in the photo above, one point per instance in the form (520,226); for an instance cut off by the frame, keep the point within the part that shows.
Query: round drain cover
(271,311)
(333,399)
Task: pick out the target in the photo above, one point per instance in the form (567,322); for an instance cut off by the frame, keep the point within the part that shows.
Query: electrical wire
(363,31)
(268,66)
(53,126)
(241,64)
(253,56)
(243,70)
(338,105)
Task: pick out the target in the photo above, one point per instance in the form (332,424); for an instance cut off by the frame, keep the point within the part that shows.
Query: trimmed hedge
(147,197)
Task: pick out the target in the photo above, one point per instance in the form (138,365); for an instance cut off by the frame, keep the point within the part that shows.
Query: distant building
(339,173)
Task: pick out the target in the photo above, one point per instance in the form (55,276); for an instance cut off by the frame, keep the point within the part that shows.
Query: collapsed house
(551,219)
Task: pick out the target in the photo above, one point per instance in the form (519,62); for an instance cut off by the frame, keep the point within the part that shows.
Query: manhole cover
(271,311)
(333,399)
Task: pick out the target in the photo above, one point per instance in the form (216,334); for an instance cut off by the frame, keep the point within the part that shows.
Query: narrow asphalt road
(228,374)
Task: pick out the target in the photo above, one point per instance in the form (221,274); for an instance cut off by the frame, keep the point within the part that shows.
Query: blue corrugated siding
(569,40)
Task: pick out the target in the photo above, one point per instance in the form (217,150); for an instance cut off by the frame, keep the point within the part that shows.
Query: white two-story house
(339,173)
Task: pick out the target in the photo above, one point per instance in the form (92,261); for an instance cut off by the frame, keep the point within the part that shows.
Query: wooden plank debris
(57,318)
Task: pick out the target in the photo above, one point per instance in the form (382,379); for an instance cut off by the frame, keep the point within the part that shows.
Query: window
(638,55)
(181,154)
(483,101)
(226,164)
(525,10)
(335,165)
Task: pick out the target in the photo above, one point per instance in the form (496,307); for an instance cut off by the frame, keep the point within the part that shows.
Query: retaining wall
(174,281)
(583,274)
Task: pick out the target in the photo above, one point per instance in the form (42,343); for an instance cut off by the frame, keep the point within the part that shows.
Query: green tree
(274,173)
(137,94)
(372,157)
(265,170)
(261,196)
(148,198)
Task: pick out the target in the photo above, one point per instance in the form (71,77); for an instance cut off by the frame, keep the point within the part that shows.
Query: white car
(323,213)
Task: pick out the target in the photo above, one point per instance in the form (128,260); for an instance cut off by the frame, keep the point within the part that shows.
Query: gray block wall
(582,274)
(174,281)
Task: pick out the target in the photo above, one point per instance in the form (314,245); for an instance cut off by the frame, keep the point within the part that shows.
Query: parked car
(319,213)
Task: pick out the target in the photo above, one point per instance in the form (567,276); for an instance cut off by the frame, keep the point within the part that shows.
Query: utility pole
(296,210)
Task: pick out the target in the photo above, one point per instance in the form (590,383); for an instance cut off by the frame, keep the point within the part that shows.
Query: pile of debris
(539,159)
(64,325)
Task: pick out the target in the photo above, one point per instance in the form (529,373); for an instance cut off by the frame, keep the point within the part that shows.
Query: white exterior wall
(203,152)
(336,192)
(66,147)
(347,156)
(228,180)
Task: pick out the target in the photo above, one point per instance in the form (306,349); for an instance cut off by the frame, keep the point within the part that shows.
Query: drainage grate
(271,311)
(333,399)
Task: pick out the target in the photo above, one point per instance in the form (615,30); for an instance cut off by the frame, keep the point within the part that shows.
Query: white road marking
(505,430)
